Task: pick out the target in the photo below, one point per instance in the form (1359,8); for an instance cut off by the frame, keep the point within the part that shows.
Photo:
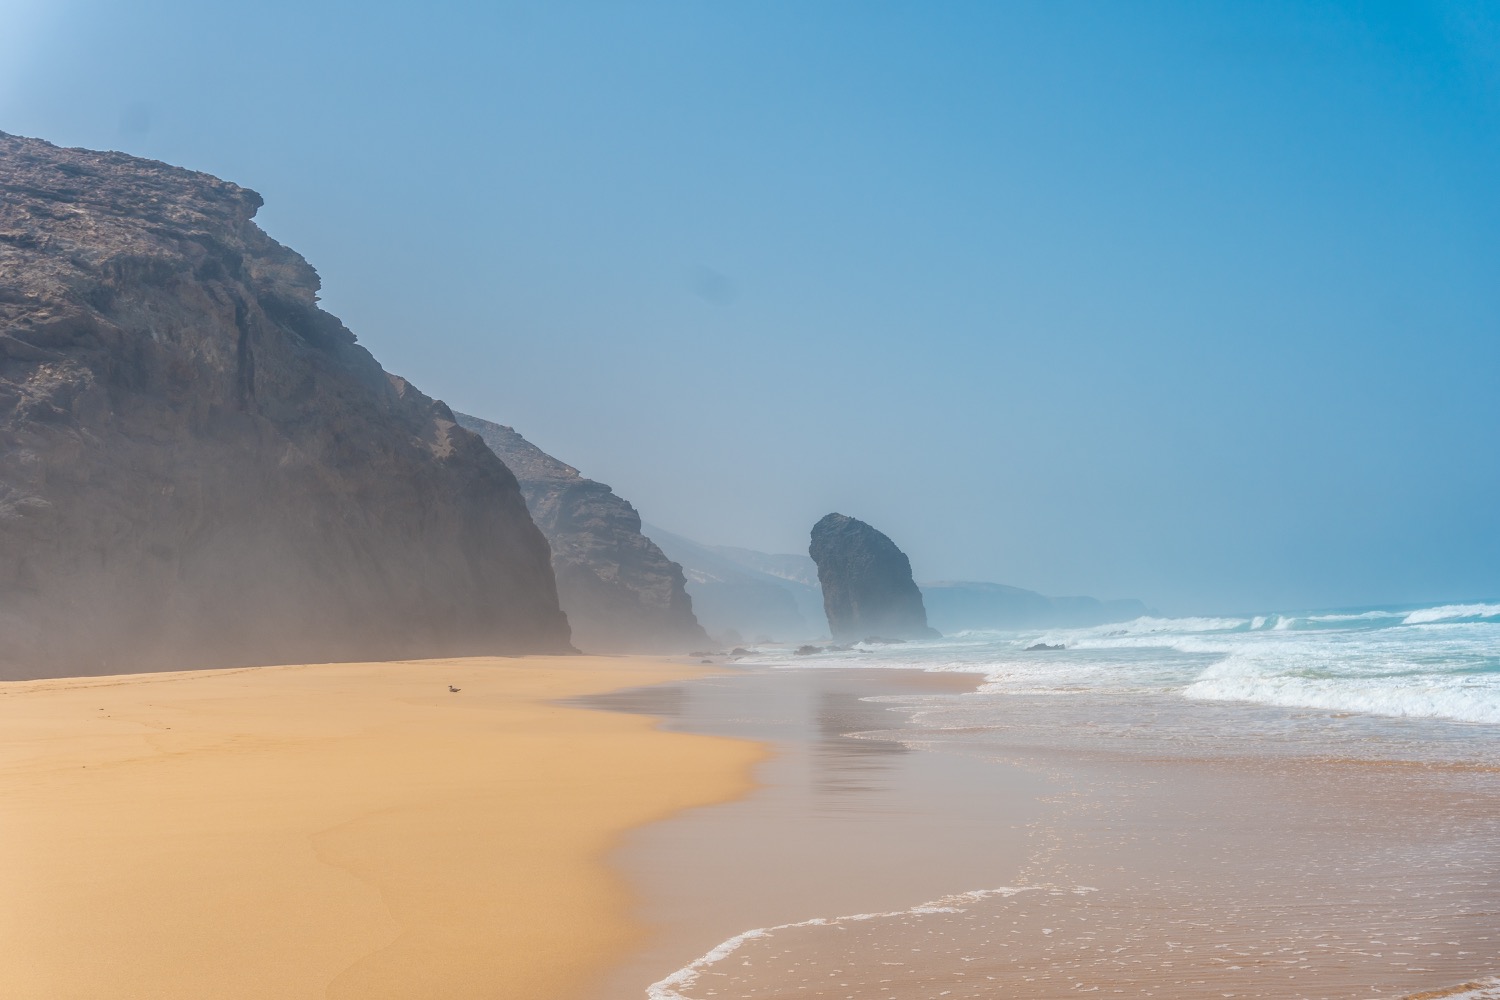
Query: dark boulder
(867,582)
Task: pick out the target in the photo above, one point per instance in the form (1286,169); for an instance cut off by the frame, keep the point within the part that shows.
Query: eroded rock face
(621,593)
(200,467)
(868,589)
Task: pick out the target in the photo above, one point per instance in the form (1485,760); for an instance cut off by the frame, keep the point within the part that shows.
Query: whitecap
(1447,612)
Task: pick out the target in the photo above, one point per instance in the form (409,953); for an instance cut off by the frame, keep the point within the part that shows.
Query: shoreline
(356,830)
(982,856)
(837,826)
(335,830)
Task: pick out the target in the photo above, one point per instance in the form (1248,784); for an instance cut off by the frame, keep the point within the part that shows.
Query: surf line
(672,986)
(1479,989)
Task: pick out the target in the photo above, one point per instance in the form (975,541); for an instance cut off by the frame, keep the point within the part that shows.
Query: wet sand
(1041,858)
(837,826)
(344,830)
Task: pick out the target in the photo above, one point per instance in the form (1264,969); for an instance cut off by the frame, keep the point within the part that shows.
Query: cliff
(620,592)
(867,583)
(200,467)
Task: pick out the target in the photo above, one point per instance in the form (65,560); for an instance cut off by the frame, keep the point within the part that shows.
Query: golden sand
(342,830)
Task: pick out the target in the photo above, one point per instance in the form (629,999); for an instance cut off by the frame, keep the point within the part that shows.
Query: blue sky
(1196,302)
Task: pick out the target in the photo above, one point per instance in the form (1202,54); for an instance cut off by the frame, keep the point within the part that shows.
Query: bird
(452,689)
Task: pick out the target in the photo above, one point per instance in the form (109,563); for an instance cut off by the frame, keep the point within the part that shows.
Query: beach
(620,828)
(340,830)
(897,848)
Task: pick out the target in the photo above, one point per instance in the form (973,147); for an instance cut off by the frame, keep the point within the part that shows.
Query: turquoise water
(1262,806)
(1437,662)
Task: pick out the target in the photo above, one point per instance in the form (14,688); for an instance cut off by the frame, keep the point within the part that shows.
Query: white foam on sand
(672,986)
(1479,989)
(1416,695)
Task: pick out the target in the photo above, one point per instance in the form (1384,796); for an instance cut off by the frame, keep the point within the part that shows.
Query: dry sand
(340,830)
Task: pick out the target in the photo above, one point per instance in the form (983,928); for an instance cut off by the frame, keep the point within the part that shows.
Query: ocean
(1271,805)
(1403,682)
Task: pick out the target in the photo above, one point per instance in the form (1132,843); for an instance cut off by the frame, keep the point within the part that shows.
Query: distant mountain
(758,594)
(956,606)
(743,595)
(620,591)
(793,568)
(796,574)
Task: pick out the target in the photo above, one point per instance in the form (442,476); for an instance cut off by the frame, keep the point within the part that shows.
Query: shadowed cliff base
(620,592)
(200,467)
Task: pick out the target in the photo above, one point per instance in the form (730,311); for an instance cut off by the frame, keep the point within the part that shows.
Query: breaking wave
(1452,612)
(1439,662)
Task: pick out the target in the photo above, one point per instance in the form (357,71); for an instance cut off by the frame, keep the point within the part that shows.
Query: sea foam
(1450,612)
(671,987)
(1440,662)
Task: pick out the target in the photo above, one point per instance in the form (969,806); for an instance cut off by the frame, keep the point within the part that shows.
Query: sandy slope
(343,830)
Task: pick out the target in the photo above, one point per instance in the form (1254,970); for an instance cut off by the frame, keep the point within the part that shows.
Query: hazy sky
(1194,302)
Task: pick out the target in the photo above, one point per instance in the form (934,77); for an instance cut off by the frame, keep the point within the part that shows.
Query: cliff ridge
(620,591)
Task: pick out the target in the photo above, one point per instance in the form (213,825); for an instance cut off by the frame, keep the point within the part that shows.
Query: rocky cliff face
(198,466)
(621,593)
(867,583)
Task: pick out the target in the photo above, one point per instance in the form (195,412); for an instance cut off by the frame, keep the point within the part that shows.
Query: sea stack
(868,590)
(620,592)
(200,467)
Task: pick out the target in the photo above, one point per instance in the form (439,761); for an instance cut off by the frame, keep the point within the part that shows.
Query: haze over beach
(1187,304)
(762,500)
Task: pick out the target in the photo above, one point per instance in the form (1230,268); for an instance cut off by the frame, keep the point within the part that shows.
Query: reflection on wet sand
(665,701)
(842,823)
(841,760)
(1153,864)
(844,763)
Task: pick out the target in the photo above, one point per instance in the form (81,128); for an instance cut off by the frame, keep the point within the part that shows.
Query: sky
(1193,302)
